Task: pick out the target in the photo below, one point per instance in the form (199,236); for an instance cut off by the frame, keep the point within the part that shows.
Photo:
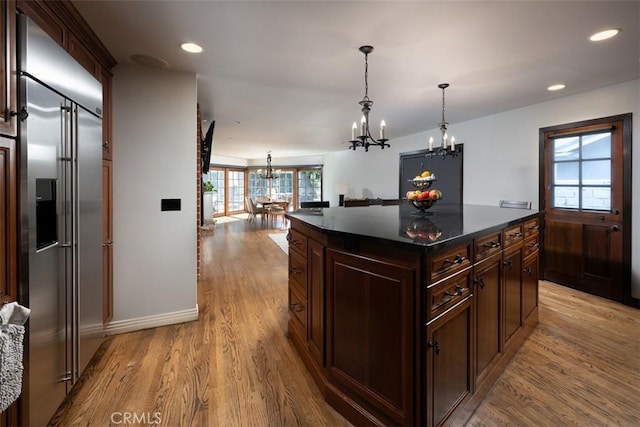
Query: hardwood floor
(235,366)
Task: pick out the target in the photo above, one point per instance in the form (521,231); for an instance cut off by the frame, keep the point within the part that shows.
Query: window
(216,176)
(581,172)
(236,190)
(309,185)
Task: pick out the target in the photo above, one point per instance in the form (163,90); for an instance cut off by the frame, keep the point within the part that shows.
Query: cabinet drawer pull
(457,260)
(533,245)
(295,308)
(528,271)
(492,245)
(295,270)
(459,290)
(508,263)
(534,227)
(516,234)
(435,345)
(480,282)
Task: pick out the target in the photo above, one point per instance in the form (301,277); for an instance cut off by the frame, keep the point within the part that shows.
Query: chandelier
(361,137)
(270,173)
(448,146)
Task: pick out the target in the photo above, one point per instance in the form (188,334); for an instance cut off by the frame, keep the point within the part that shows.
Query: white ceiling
(291,73)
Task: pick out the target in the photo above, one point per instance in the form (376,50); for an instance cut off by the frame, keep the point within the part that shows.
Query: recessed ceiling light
(603,35)
(191,47)
(559,86)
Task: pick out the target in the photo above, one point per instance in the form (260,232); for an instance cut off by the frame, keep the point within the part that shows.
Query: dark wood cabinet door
(315,300)
(512,288)
(9,418)
(529,285)
(8,78)
(370,329)
(8,221)
(448,362)
(487,284)
(107,134)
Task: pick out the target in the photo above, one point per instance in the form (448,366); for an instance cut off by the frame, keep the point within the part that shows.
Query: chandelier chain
(366,77)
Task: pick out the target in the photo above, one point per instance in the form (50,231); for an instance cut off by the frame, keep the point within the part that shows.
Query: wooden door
(8,221)
(586,195)
(488,283)
(449,343)
(512,290)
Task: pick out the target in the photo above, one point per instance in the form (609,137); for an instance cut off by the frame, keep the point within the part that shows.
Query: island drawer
(488,245)
(444,295)
(512,235)
(531,245)
(298,308)
(297,242)
(298,270)
(449,262)
(531,228)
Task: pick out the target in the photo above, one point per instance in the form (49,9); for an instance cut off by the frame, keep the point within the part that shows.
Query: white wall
(154,157)
(501,154)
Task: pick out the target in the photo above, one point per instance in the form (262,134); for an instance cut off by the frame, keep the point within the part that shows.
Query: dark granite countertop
(442,224)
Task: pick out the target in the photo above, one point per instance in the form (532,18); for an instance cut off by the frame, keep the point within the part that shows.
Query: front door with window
(586,195)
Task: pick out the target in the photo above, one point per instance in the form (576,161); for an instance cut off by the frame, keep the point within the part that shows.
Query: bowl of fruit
(423,197)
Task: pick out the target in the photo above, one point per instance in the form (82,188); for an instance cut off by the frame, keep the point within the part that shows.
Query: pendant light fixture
(269,174)
(448,145)
(361,136)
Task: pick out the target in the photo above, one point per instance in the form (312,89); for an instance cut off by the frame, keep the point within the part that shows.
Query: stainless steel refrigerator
(61,218)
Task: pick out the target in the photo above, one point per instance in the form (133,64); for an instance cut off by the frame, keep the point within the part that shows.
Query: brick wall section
(199,189)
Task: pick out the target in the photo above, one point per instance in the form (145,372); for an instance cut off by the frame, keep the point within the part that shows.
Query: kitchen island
(407,319)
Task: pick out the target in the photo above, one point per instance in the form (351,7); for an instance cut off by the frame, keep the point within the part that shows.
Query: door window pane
(582,172)
(596,172)
(596,146)
(566,197)
(566,148)
(596,198)
(567,173)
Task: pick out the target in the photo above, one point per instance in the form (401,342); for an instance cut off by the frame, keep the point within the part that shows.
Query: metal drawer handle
(457,260)
(295,270)
(516,234)
(534,227)
(492,244)
(533,245)
(508,263)
(459,290)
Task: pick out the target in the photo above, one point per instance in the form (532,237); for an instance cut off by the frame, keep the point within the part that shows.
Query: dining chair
(322,204)
(514,204)
(274,211)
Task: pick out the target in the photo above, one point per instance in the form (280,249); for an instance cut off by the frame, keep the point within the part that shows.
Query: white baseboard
(146,322)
